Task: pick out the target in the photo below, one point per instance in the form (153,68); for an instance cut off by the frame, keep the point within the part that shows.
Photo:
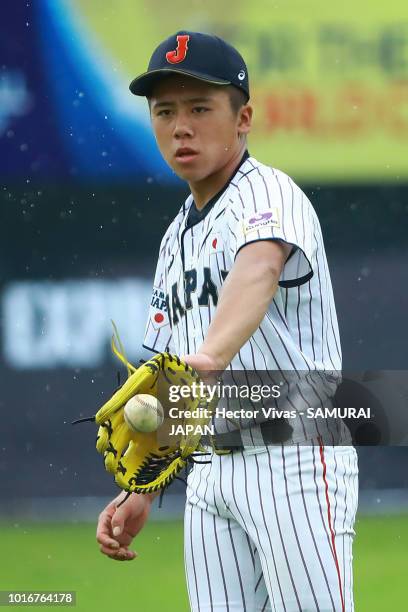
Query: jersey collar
(194,215)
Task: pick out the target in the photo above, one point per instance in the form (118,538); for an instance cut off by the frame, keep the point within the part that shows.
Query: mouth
(185,154)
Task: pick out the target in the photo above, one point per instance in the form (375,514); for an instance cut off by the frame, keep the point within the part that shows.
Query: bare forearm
(243,302)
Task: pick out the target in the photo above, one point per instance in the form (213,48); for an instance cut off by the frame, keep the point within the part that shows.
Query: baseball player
(242,284)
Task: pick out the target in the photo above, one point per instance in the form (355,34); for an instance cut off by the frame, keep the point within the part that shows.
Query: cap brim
(142,85)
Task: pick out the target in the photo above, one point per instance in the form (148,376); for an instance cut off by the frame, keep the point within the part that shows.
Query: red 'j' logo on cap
(177,56)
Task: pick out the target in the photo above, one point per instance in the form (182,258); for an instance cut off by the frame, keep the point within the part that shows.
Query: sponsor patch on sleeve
(158,309)
(268,218)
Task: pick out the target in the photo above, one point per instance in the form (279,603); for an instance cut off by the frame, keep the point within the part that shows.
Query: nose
(182,126)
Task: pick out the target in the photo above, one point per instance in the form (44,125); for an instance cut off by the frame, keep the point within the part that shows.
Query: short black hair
(237,98)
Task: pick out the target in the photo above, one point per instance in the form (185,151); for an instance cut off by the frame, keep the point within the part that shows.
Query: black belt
(272,432)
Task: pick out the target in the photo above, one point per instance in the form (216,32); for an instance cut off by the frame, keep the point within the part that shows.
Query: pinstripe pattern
(301,321)
(295,531)
(309,524)
(269,528)
(264,536)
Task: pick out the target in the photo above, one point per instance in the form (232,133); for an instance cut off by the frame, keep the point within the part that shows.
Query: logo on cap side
(241,75)
(177,56)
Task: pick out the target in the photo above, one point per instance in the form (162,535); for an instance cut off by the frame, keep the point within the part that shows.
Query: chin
(190,175)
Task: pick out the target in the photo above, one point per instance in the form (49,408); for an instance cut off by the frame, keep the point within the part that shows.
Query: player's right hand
(118,526)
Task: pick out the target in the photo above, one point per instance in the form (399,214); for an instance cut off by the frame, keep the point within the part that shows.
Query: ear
(245,119)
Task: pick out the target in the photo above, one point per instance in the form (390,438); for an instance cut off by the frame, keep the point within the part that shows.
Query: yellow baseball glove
(148,462)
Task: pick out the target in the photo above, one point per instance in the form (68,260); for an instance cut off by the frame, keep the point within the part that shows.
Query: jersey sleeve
(158,333)
(272,207)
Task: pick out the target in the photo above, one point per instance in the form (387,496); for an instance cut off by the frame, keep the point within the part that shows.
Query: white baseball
(143,413)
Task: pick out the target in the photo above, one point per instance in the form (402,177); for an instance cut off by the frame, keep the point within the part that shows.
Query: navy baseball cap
(202,56)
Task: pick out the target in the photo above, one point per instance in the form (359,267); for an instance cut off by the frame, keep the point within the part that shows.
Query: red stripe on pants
(336,560)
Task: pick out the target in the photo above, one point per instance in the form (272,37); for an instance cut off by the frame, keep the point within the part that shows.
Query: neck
(204,190)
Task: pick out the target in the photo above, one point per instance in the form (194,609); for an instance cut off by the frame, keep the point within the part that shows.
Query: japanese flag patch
(158,309)
(216,243)
(268,218)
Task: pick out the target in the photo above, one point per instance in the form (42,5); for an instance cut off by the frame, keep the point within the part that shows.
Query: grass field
(65,557)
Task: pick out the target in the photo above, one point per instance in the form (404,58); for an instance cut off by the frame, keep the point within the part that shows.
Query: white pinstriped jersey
(269,527)
(299,331)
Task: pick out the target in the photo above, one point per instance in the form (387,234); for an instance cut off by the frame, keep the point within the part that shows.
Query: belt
(272,432)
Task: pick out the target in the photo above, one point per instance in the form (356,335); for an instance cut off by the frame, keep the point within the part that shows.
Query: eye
(200,109)
(165,112)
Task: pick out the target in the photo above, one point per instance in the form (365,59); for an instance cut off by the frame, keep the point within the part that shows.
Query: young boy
(268,526)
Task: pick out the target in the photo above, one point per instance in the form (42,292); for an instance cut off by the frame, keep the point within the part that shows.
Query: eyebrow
(190,100)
